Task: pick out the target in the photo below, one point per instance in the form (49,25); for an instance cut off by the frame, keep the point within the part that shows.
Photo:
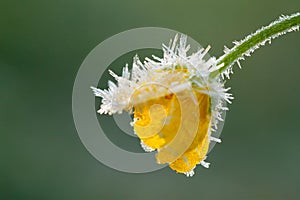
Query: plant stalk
(252,42)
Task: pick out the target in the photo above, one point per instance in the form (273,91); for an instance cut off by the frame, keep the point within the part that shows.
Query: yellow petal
(177,125)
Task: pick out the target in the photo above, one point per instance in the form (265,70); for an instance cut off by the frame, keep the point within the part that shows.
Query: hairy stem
(252,42)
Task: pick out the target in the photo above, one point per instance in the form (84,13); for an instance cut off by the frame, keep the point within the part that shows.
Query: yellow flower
(176,105)
(153,130)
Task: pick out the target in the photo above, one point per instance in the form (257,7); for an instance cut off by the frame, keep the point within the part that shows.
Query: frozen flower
(178,100)
(158,91)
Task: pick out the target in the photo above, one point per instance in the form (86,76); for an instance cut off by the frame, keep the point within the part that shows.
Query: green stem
(252,42)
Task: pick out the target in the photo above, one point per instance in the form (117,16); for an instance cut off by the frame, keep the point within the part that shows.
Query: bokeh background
(42,45)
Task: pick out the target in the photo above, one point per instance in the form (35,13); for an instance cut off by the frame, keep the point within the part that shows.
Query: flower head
(176,104)
(177,100)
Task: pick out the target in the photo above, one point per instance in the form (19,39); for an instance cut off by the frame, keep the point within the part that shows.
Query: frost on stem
(250,43)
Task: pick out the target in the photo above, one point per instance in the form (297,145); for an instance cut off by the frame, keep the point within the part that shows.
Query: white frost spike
(217,140)
(205,164)
(190,173)
(146,148)
(239,64)
(97,92)
(236,42)
(226,49)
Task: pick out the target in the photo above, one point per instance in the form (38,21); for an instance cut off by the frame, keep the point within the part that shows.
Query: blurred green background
(42,45)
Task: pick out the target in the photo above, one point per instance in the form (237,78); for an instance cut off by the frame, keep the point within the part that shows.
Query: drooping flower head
(178,100)
(176,105)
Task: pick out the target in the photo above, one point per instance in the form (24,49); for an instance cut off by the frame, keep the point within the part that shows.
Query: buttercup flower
(177,100)
(159,92)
